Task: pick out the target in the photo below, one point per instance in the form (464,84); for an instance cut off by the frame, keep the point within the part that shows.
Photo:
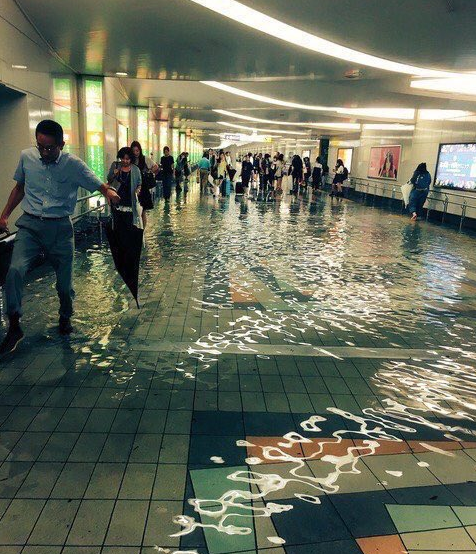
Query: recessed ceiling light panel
(266,24)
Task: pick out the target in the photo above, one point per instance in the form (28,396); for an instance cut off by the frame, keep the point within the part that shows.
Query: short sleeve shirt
(51,189)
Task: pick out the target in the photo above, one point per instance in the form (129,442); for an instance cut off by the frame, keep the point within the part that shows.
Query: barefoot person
(47,186)
(421,182)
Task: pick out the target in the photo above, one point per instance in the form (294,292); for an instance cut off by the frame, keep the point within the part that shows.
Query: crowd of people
(132,167)
(262,173)
(47,182)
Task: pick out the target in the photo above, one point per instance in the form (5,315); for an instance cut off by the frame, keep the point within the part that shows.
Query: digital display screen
(456,168)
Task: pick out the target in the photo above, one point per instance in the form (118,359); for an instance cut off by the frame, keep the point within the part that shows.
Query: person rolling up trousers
(47,182)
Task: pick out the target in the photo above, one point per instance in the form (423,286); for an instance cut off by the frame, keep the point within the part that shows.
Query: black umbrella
(6,249)
(125,242)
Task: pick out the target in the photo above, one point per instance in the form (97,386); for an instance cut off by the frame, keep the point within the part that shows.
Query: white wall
(20,44)
(14,132)
(420,145)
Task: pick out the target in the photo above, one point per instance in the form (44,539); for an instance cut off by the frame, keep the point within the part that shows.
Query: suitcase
(239,188)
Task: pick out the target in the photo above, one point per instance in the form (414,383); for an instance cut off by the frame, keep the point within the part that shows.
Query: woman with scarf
(126,177)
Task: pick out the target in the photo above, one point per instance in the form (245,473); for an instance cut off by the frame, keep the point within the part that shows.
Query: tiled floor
(300,379)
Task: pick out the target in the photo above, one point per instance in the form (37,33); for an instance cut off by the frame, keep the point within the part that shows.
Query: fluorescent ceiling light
(17,66)
(265,99)
(441,115)
(462,84)
(121,73)
(388,127)
(235,126)
(277,29)
(392,113)
(244,137)
(258,120)
(338,125)
(381,113)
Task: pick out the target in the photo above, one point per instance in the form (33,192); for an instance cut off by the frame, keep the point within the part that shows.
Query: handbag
(115,183)
(406,191)
(148,180)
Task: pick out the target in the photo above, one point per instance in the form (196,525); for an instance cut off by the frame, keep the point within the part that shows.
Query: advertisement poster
(143,128)
(345,154)
(163,135)
(175,143)
(384,162)
(94,127)
(62,108)
(456,167)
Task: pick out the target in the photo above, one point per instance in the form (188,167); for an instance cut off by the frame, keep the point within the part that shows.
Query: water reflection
(315,276)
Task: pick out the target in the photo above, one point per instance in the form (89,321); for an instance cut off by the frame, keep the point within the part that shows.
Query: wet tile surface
(299,379)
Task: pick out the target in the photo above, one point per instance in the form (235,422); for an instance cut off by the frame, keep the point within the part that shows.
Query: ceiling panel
(167,47)
(163,37)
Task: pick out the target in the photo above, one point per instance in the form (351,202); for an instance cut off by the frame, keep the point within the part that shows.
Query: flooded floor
(300,379)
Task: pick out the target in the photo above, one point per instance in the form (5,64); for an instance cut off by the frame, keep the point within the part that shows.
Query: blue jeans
(417,200)
(53,239)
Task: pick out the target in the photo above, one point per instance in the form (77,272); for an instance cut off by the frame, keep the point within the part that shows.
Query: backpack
(345,175)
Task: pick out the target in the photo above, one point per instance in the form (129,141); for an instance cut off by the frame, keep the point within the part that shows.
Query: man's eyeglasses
(48,149)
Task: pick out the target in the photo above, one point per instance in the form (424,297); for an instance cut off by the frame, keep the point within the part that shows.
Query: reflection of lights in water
(370,294)
(306,278)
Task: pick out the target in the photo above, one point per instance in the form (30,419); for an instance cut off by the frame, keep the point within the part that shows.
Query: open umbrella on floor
(125,242)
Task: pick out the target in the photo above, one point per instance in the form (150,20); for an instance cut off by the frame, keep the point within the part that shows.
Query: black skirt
(145,199)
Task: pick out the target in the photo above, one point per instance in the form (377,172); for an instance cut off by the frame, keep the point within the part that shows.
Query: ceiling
(167,46)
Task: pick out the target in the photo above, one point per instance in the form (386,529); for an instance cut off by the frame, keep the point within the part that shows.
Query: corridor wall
(420,145)
(30,69)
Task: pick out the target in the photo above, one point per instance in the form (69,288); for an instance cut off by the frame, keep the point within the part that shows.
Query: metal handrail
(433,195)
(10,236)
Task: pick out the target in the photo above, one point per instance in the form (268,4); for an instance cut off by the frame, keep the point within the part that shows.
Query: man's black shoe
(65,327)
(13,337)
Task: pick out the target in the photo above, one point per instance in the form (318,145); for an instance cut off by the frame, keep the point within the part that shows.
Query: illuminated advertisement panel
(456,167)
(62,108)
(163,134)
(123,117)
(345,154)
(175,143)
(94,127)
(143,128)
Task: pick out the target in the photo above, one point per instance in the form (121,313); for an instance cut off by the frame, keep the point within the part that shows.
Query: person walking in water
(149,170)
(47,182)
(167,165)
(204,172)
(421,182)
(339,178)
